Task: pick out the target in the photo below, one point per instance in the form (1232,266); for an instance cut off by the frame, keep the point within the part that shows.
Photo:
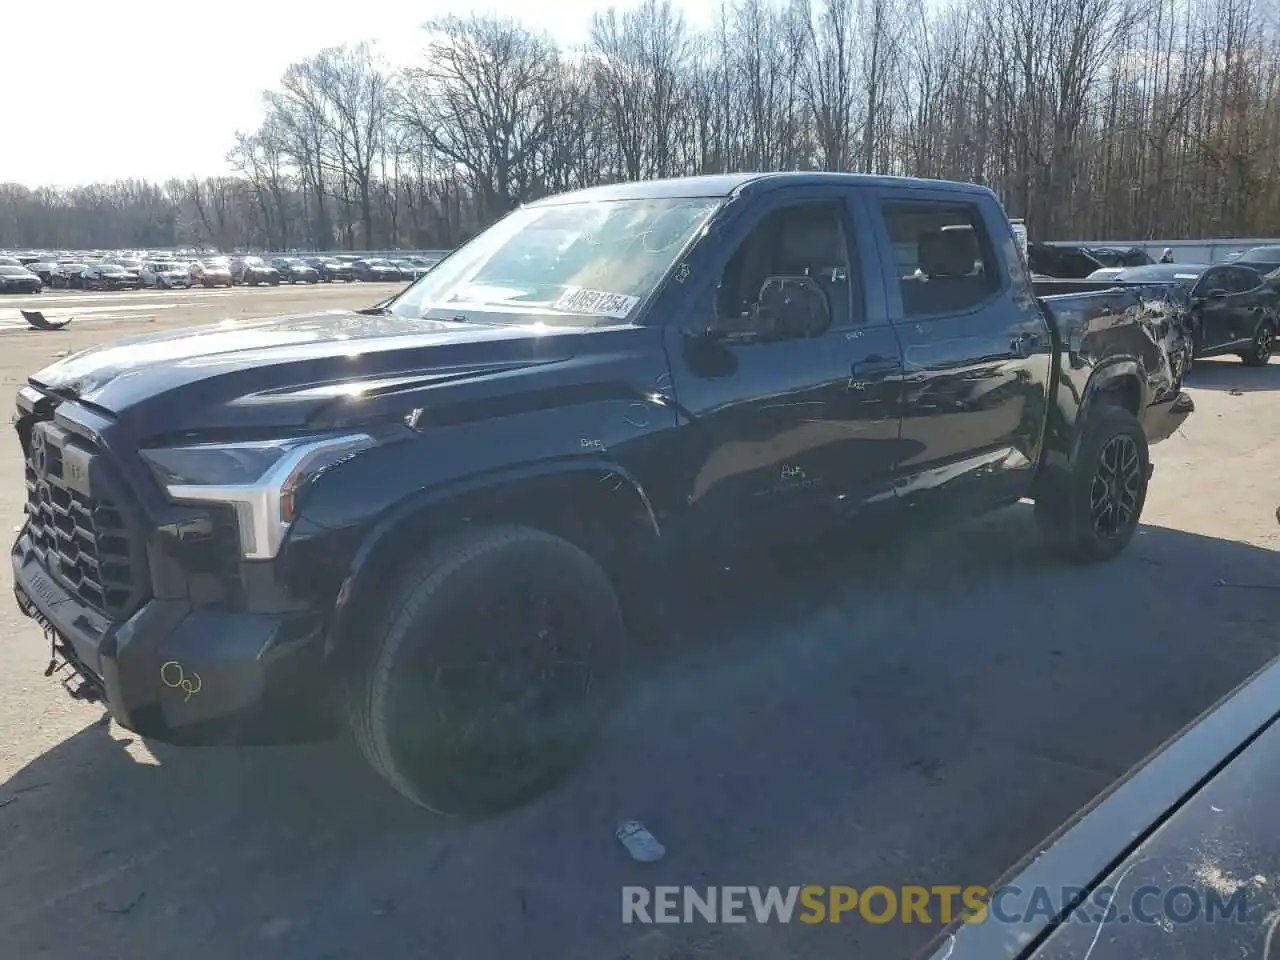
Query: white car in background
(165,274)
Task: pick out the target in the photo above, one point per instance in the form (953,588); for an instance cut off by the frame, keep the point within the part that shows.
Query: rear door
(786,434)
(1251,300)
(976,349)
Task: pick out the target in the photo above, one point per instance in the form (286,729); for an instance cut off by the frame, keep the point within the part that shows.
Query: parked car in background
(109,276)
(293,270)
(131,266)
(1266,260)
(10,262)
(375,270)
(44,269)
(19,280)
(1067,263)
(252,271)
(331,269)
(1119,256)
(411,270)
(209,273)
(68,276)
(1233,309)
(165,275)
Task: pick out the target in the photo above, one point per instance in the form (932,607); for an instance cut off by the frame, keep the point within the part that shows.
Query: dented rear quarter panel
(1106,334)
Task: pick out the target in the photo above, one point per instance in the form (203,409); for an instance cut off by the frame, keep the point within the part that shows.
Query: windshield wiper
(374,311)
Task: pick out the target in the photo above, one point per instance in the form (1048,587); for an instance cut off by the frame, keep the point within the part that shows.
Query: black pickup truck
(422,514)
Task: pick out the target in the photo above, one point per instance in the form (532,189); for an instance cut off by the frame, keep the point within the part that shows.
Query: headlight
(259,478)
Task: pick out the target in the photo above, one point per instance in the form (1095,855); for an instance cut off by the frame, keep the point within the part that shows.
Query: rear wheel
(1259,352)
(1090,511)
(494,668)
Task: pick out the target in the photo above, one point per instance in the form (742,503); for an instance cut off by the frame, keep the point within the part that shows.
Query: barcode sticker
(597,302)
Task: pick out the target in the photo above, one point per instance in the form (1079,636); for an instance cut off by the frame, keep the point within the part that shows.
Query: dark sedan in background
(331,269)
(109,276)
(376,270)
(252,271)
(19,280)
(293,270)
(69,275)
(1233,309)
(1266,260)
(412,269)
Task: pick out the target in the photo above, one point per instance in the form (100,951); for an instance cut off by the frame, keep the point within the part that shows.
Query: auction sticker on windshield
(597,302)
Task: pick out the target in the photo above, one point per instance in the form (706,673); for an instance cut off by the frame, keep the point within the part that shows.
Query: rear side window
(1241,280)
(943,257)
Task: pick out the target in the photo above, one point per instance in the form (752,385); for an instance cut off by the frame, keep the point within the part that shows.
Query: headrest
(947,253)
(815,241)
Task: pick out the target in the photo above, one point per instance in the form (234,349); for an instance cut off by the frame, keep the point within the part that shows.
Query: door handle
(876,364)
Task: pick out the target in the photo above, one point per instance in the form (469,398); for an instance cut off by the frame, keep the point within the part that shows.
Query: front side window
(574,263)
(943,258)
(803,241)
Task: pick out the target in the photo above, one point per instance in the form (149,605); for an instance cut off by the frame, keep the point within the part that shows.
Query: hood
(307,370)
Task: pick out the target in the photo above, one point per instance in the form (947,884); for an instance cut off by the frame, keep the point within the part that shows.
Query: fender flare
(391,519)
(1106,376)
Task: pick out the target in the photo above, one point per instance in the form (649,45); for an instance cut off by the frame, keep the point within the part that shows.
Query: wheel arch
(1119,383)
(597,505)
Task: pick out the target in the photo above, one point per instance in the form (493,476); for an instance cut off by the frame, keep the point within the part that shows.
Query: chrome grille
(79,522)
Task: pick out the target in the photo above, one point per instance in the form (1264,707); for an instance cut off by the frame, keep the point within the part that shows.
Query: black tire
(1090,511)
(1264,338)
(462,748)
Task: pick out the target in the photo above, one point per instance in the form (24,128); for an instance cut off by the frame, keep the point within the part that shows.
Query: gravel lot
(924,714)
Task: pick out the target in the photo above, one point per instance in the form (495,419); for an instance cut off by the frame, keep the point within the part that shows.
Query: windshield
(8,271)
(571,261)
(1266,255)
(111,268)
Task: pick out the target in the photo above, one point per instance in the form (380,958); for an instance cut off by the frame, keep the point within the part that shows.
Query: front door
(1218,309)
(784,434)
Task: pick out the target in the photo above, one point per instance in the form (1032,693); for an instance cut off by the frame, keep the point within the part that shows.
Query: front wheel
(1089,512)
(1259,352)
(492,672)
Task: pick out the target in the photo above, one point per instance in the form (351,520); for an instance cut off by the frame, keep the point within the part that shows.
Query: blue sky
(120,90)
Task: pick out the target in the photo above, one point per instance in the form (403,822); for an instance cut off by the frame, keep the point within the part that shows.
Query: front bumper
(184,675)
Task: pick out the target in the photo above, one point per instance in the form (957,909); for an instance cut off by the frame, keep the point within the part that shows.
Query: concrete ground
(924,715)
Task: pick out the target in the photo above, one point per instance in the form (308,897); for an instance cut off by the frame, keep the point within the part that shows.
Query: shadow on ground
(921,715)
(1228,373)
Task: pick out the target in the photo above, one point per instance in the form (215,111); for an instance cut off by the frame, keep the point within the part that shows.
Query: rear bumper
(1161,420)
(182,675)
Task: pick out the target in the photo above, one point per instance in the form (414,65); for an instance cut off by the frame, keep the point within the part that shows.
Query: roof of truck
(727,184)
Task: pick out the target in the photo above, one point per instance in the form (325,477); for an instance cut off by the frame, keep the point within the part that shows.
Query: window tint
(943,257)
(1242,280)
(803,240)
(1211,280)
